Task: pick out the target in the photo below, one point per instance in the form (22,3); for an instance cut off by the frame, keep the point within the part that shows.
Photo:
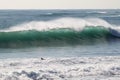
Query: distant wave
(102,12)
(54,14)
(57,32)
(99,12)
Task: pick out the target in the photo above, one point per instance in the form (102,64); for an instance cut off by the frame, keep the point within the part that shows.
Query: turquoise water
(59,33)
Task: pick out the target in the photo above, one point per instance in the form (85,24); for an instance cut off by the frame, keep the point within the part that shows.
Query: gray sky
(59,4)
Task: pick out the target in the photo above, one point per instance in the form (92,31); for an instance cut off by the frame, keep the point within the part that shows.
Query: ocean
(74,44)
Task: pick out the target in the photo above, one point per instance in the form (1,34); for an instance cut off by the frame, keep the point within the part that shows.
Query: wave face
(64,31)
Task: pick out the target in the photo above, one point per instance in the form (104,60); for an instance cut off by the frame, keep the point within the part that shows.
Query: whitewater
(82,68)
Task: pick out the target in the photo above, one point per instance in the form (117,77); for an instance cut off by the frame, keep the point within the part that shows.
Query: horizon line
(59,9)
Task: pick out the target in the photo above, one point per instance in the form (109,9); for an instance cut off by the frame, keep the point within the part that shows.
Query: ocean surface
(60,44)
(59,33)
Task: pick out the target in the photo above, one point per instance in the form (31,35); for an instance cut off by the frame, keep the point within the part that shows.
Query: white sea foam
(72,23)
(78,68)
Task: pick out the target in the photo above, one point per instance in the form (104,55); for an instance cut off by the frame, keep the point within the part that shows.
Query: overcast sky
(59,4)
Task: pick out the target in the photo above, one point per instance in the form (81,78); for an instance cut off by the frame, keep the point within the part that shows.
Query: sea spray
(77,24)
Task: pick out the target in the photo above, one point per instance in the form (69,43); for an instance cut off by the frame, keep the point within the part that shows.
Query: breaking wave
(57,32)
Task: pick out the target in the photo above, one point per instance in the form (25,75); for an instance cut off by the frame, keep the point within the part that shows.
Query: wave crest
(72,23)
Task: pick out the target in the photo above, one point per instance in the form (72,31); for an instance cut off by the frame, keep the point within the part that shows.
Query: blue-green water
(59,33)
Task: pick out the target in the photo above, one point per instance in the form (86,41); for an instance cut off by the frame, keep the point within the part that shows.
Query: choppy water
(59,33)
